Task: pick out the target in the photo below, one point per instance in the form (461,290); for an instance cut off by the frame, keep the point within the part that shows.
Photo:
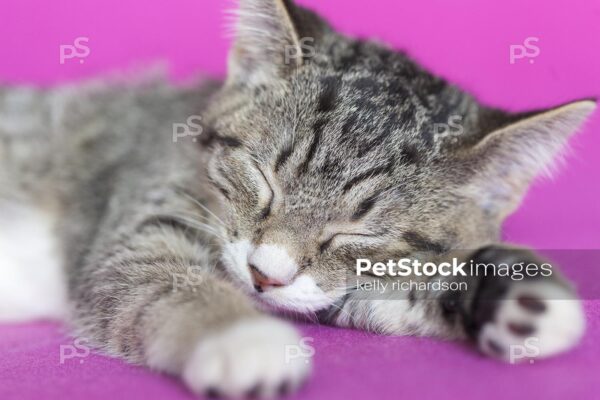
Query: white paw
(253,357)
(535,320)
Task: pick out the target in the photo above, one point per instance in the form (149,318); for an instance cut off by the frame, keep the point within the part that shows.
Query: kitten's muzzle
(260,281)
(270,266)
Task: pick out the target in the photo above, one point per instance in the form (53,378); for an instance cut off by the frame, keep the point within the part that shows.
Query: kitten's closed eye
(241,181)
(267,209)
(345,238)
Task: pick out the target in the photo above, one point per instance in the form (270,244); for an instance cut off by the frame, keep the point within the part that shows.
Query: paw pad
(532,304)
(533,320)
(520,329)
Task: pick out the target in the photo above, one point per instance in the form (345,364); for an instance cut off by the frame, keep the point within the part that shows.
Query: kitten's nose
(271,266)
(261,281)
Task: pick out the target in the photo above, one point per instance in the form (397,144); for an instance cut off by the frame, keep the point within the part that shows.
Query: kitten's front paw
(525,319)
(249,358)
(535,320)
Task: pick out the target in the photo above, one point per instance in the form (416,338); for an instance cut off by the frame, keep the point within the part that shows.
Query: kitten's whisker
(202,227)
(207,229)
(203,207)
(206,219)
(341,309)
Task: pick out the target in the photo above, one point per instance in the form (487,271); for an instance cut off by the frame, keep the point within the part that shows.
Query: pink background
(466,41)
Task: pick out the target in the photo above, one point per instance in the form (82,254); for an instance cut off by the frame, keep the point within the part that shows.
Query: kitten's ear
(267,43)
(518,148)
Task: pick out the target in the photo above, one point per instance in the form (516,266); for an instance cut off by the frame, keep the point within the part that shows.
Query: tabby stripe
(348,126)
(156,260)
(223,191)
(318,128)
(162,220)
(383,170)
(412,299)
(212,136)
(410,155)
(219,187)
(229,141)
(174,223)
(329,94)
(106,307)
(227,177)
(283,157)
(367,147)
(267,210)
(419,242)
(364,207)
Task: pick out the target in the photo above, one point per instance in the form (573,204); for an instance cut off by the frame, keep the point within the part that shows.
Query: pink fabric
(348,365)
(466,42)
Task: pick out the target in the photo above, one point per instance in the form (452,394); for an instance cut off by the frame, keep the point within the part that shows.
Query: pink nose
(261,281)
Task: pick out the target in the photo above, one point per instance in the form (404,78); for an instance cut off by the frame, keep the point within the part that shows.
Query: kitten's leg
(506,318)
(153,299)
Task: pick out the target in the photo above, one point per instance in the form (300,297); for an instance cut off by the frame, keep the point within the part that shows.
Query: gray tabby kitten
(305,164)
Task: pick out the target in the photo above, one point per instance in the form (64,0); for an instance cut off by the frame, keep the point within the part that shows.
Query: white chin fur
(32,285)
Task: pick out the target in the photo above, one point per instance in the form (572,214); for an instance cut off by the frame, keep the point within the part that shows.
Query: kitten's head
(328,149)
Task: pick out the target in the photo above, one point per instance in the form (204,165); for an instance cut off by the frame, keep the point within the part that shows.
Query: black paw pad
(212,393)
(495,348)
(521,329)
(254,392)
(284,388)
(532,304)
